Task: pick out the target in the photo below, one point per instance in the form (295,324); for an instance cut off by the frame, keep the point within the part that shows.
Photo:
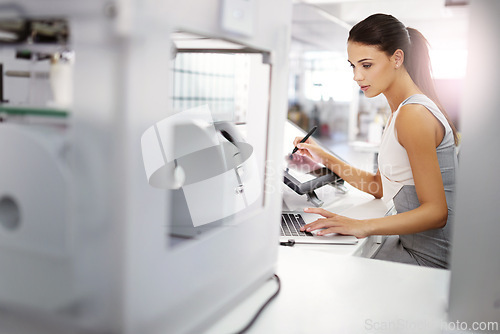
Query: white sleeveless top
(393,161)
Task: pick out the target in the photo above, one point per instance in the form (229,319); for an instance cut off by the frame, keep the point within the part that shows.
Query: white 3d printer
(86,241)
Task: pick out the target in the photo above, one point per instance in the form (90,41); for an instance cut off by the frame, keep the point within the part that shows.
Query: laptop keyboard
(291,223)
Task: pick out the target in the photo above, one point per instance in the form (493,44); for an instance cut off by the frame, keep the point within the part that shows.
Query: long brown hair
(389,34)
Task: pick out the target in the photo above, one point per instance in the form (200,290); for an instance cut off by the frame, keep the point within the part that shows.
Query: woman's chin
(370,93)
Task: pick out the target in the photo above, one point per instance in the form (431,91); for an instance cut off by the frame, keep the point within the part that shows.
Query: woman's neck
(402,88)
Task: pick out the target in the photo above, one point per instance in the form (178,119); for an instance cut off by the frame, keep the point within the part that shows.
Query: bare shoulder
(411,113)
(415,123)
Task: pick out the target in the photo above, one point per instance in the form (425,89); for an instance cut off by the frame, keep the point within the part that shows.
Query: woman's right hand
(310,149)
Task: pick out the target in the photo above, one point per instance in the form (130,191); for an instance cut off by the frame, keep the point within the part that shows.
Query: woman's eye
(367,65)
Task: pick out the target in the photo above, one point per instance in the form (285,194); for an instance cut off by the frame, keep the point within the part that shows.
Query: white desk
(329,293)
(328,289)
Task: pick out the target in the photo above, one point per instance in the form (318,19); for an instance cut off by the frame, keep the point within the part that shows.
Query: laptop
(291,221)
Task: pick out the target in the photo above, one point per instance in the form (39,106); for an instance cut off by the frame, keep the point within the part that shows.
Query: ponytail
(418,64)
(389,34)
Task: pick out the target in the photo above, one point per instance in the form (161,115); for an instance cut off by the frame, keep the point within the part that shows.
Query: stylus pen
(305,138)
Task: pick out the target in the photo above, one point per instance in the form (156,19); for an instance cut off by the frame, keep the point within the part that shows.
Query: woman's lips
(364,88)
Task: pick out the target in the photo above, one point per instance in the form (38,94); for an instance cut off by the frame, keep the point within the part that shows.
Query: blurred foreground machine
(86,243)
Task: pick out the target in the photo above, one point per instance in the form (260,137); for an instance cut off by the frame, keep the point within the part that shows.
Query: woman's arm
(420,133)
(363,180)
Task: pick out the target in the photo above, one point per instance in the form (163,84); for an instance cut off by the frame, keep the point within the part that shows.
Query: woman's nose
(357,75)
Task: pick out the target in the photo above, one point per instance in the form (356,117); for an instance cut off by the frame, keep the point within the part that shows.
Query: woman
(417,159)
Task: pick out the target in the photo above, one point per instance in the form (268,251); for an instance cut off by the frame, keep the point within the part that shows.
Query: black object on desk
(321,177)
(1,85)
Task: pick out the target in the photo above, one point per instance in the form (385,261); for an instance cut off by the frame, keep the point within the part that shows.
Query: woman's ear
(398,57)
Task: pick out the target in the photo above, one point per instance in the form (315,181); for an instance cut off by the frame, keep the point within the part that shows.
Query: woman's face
(373,70)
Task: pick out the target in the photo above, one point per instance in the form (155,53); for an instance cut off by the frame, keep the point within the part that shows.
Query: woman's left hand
(333,223)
